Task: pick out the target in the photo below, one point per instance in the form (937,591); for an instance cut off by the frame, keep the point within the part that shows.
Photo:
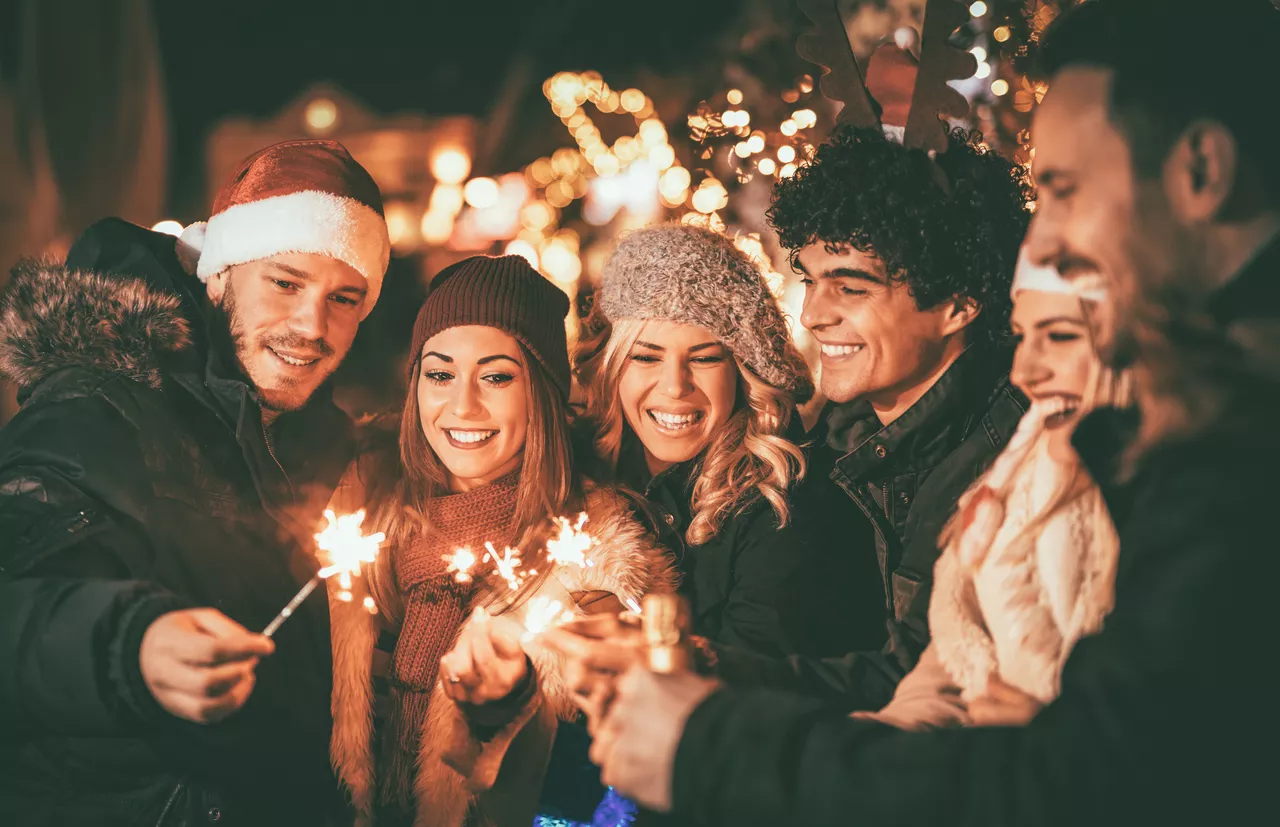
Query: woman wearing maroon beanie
(483,462)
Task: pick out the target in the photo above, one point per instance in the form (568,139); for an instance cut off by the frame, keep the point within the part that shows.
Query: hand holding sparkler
(199,664)
(487,663)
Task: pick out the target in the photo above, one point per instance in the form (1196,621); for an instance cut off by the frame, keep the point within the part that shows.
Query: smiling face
(679,386)
(876,343)
(292,319)
(473,402)
(1055,360)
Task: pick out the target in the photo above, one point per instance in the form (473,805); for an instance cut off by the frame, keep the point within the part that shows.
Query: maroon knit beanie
(503,292)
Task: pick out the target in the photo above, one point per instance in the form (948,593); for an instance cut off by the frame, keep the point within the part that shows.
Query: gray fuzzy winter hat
(683,273)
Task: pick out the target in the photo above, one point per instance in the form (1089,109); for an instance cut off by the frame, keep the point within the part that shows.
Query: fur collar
(457,774)
(53,318)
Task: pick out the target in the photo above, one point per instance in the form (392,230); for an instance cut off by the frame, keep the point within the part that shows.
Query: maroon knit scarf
(435,606)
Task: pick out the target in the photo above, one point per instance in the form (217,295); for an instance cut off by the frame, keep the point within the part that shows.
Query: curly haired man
(907,262)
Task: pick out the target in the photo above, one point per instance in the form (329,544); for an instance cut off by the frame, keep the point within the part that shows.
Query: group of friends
(1016,573)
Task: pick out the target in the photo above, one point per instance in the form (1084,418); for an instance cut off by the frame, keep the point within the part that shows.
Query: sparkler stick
(345,547)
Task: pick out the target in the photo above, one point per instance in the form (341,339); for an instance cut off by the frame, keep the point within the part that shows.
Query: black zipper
(267,439)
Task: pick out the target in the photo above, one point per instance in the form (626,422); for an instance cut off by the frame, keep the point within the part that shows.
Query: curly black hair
(884,199)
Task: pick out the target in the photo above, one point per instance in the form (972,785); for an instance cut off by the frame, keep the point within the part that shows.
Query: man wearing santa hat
(159,490)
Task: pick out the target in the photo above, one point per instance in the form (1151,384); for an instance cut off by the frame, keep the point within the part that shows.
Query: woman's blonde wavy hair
(747,458)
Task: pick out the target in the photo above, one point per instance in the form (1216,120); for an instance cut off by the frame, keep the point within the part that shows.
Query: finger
(219,709)
(600,655)
(506,640)
(204,682)
(462,667)
(240,639)
(596,626)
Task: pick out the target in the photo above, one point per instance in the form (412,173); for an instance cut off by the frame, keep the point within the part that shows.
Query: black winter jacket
(906,478)
(137,478)
(1165,717)
(807,588)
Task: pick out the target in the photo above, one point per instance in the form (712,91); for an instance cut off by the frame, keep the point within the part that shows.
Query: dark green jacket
(135,479)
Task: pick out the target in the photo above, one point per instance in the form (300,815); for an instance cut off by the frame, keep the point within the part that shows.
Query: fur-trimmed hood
(52,317)
(458,776)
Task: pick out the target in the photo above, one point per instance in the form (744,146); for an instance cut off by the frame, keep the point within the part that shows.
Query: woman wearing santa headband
(1028,562)
(482,464)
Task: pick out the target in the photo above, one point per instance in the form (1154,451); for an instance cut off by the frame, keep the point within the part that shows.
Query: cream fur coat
(461,780)
(1016,589)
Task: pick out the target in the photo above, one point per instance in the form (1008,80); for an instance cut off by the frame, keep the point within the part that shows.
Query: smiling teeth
(840,350)
(674,421)
(470,436)
(289,360)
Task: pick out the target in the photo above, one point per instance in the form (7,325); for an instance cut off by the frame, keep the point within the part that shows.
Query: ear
(216,286)
(958,314)
(1200,172)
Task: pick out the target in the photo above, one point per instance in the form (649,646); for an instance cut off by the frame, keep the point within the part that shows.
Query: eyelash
(846,291)
(442,377)
(289,285)
(1057,338)
(646,359)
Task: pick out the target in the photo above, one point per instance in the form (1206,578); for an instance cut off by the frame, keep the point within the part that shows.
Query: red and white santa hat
(1046,279)
(294,197)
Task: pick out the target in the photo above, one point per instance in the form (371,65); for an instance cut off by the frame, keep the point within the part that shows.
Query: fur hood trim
(457,774)
(53,318)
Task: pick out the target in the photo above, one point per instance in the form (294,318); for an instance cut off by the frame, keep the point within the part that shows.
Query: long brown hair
(747,457)
(409,477)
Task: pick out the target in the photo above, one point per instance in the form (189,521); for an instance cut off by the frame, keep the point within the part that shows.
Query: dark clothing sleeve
(1136,736)
(75,598)
(856,681)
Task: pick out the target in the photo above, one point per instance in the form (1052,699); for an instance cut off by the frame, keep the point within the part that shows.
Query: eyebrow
(1043,323)
(497,357)
(303,275)
(845,273)
(694,349)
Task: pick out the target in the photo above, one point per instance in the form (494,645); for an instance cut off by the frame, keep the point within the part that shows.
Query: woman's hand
(597,649)
(1003,705)
(487,663)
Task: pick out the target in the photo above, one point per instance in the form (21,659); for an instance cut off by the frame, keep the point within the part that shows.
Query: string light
(978,9)
(788,127)
(1002,33)
(786,154)
(755,143)
(734,96)
(481,193)
(766,166)
(979,52)
(321,115)
(787,171)
(999,88)
(984,70)
(450,165)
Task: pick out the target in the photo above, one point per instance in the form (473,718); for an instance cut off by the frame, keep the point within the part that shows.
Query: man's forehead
(1073,120)
(816,258)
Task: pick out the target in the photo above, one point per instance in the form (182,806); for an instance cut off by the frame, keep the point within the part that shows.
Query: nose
(816,314)
(1044,237)
(466,401)
(1029,367)
(677,380)
(310,318)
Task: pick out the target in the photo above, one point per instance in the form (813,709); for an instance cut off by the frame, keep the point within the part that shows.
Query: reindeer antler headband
(905,97)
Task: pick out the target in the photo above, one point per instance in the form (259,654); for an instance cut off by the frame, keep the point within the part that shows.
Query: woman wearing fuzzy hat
(692,383)
(1028,562)
(483,458)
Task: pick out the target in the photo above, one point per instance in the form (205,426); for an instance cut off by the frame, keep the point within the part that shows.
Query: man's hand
(597,649)
(635,745)
(487,663)
(1003,705)
(198,663)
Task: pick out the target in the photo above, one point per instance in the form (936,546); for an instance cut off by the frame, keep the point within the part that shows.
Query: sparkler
(505,565)
(461,562)
(570,547)
(542,614)
(344,548)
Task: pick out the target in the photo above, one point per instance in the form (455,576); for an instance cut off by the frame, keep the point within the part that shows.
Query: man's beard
(235,343)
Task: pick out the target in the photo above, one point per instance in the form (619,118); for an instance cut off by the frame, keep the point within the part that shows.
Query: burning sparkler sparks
(344,549)
(542,614)
(570,547)
(505,565)
(461,562)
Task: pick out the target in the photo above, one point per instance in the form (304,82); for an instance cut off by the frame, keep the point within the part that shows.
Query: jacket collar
(1254,291)
(929,430)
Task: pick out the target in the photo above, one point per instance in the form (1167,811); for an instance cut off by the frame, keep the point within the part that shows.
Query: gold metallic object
(664,621)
